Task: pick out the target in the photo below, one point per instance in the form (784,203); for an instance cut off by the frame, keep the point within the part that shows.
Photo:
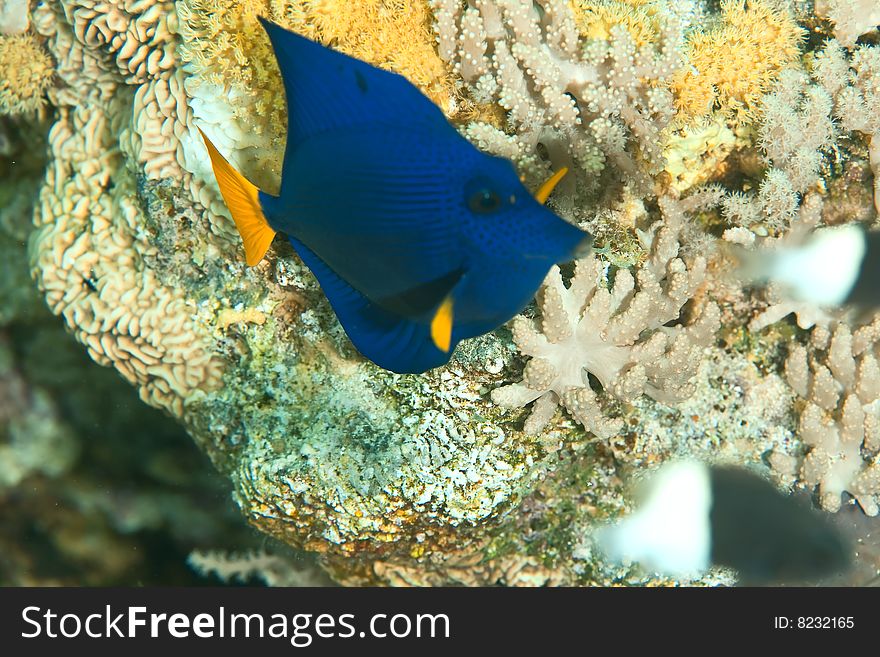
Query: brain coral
(90,252)
(415,479)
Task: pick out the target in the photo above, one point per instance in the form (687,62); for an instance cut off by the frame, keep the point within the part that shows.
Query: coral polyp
(734,62)
(28,72)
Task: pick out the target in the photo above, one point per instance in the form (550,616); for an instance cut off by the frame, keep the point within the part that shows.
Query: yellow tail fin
(244,205)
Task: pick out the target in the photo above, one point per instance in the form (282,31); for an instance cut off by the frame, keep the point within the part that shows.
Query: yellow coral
(696,153)
(25,74)
(736,61)
(595,18)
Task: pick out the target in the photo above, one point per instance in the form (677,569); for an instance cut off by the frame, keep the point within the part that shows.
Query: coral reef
(585,103)
(682,124)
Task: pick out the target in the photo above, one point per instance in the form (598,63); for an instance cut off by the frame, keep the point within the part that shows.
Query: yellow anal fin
(441,325)
(547,188)
(244,205)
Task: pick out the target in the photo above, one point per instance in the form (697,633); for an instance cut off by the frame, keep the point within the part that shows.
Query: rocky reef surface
(685,125)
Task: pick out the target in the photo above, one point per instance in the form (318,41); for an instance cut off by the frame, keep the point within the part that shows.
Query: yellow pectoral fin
(441,326)
(547,188)
(244,205)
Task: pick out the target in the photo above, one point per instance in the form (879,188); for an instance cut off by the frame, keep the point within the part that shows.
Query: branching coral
(617,334)
(584,97)
(795,130)
(796,127)
(26,73)
(851,18)
(802,120)
(854,83)
(89,252)
(840,424)
(272,569)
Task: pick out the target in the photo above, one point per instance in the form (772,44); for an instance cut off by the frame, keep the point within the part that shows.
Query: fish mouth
(581,250)
(584,248)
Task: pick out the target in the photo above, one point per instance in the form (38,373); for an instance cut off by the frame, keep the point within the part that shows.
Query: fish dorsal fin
(242,199)
(391,341)
(327,90)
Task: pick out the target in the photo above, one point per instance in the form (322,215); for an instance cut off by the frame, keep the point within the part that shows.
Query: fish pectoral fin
(441,325)
(390,340)
(547,188)
(242,199)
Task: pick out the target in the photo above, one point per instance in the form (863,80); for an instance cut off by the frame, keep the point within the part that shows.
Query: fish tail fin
(242,199)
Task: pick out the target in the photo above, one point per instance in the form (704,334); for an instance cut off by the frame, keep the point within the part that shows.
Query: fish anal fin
(441,325)
(243,201)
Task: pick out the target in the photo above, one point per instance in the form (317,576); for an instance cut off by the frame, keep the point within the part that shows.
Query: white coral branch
(841,420)
(617,335)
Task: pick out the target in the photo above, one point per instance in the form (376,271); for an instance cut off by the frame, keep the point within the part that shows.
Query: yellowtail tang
(418,239)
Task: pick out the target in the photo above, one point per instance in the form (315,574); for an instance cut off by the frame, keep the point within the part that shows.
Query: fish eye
(484,201)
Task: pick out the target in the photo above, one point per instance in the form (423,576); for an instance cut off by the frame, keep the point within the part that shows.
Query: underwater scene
(439,292)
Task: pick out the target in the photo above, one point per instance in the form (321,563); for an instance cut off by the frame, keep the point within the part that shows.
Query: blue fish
(418,239)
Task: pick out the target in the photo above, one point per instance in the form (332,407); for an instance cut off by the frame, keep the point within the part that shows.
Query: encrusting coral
(413,479)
